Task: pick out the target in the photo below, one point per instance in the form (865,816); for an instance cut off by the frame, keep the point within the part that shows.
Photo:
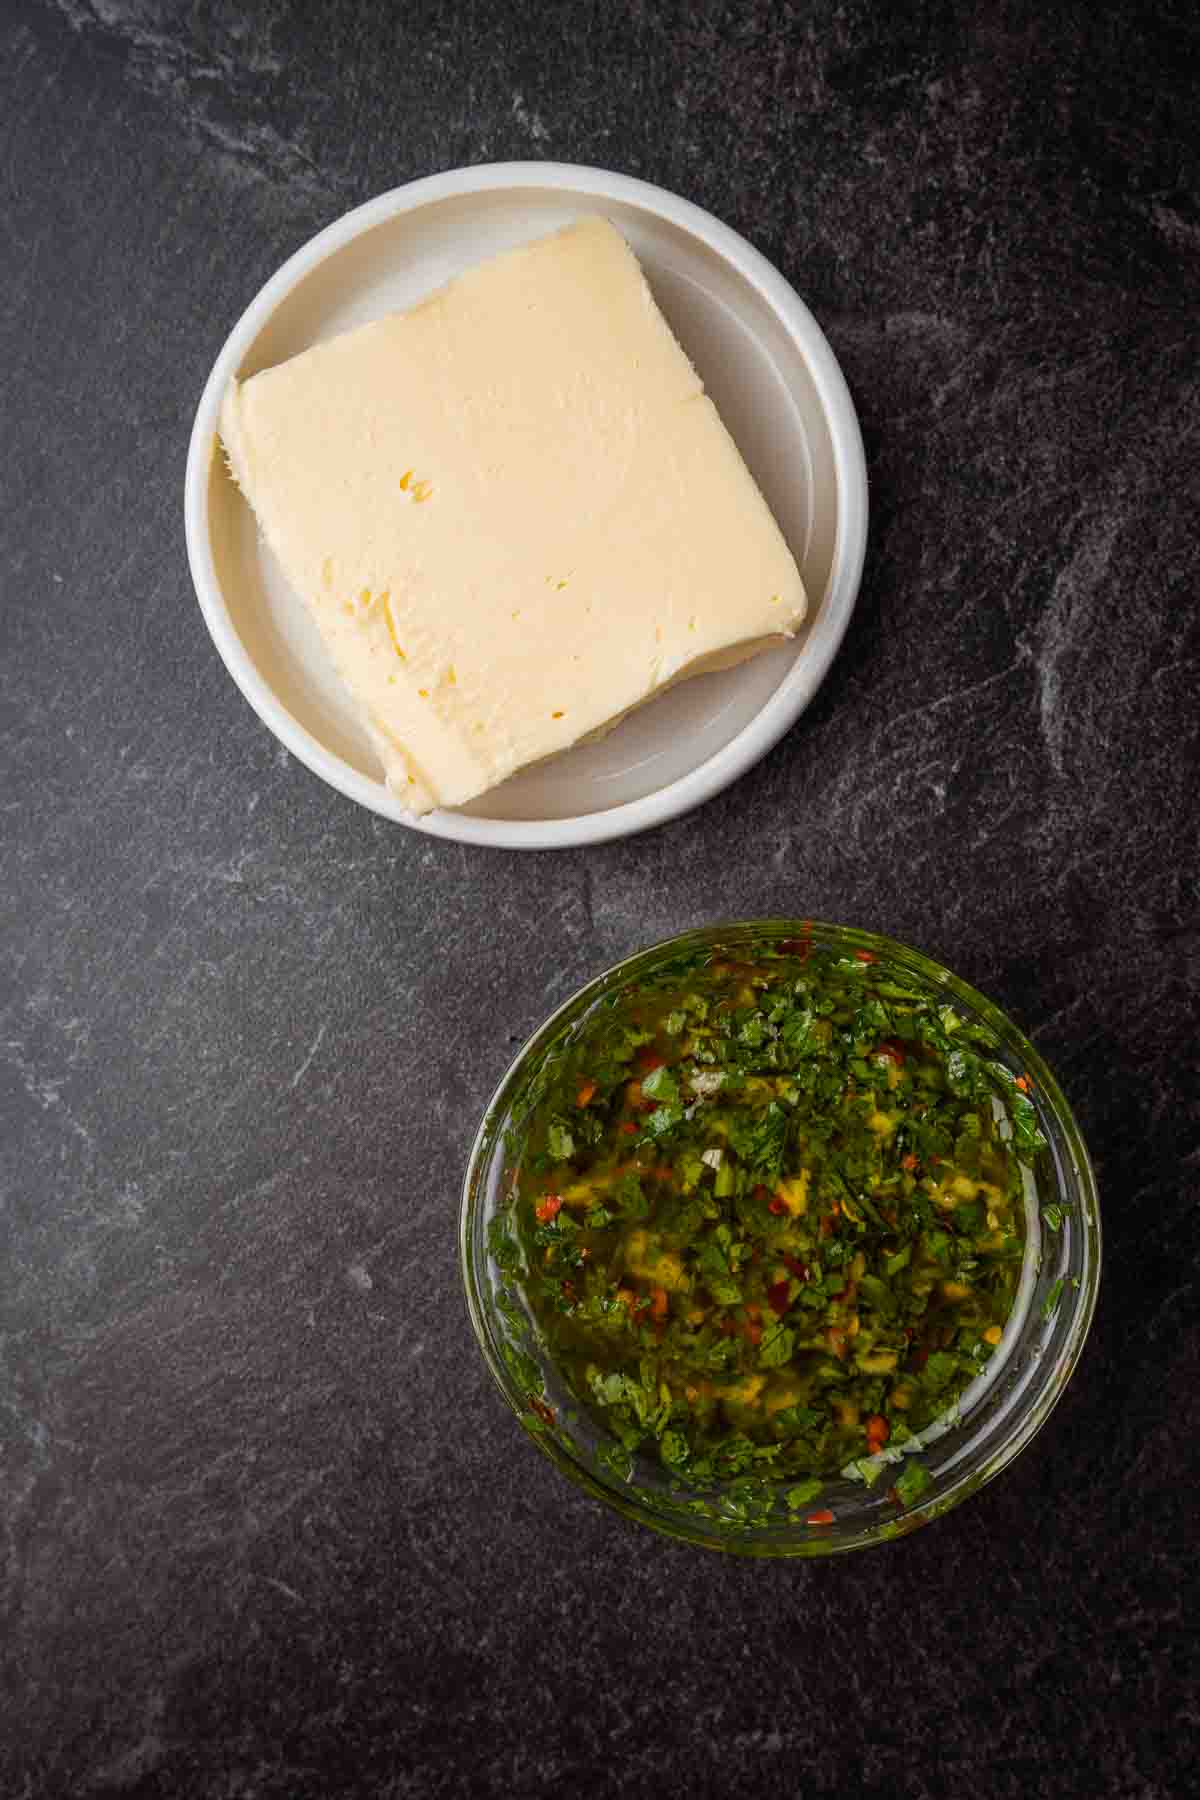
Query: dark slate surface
(266,1530)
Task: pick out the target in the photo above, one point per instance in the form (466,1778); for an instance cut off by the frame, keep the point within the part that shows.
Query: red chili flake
(778,1297)
(866,956)
(1024,1083)
(548,1209)
(568,1290)
(824,1517)
(777,1206)
(908,1162)
(543,1411)
(628,1127)
(754,1334)
(892,1050)
(648,1061)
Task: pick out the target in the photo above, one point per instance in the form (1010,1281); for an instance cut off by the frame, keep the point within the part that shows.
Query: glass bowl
(994,1419)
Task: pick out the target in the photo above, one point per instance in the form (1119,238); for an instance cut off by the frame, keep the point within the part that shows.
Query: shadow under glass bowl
(996,1417)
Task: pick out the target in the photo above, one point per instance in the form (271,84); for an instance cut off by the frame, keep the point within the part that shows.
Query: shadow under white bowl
(775,382)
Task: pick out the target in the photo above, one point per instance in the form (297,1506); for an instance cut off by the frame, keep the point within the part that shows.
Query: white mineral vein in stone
(1064,621)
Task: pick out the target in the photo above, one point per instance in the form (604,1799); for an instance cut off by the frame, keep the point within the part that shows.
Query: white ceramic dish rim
(798,686)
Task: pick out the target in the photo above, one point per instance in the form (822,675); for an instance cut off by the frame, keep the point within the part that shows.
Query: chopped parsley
(912,1483)
(1053,1298)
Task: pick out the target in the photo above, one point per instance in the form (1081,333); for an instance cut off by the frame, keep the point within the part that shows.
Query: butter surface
(513,512)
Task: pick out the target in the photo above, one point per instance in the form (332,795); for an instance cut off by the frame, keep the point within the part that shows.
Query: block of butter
(513,512)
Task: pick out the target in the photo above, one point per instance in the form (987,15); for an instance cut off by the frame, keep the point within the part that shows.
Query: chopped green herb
(786,1225)
(661,1085)
(1053,1298)
(502,1246)
(868,1472)
(560,1141)
(673,1449)
(664,1119)
(776,1347)
(912,1483)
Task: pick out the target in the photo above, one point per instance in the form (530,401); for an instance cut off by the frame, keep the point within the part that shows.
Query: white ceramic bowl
(775,381)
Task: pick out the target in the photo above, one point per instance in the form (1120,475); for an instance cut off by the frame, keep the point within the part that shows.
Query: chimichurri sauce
(771,1210)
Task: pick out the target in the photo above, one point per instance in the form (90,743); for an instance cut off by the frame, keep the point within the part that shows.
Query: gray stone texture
(266,1530)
